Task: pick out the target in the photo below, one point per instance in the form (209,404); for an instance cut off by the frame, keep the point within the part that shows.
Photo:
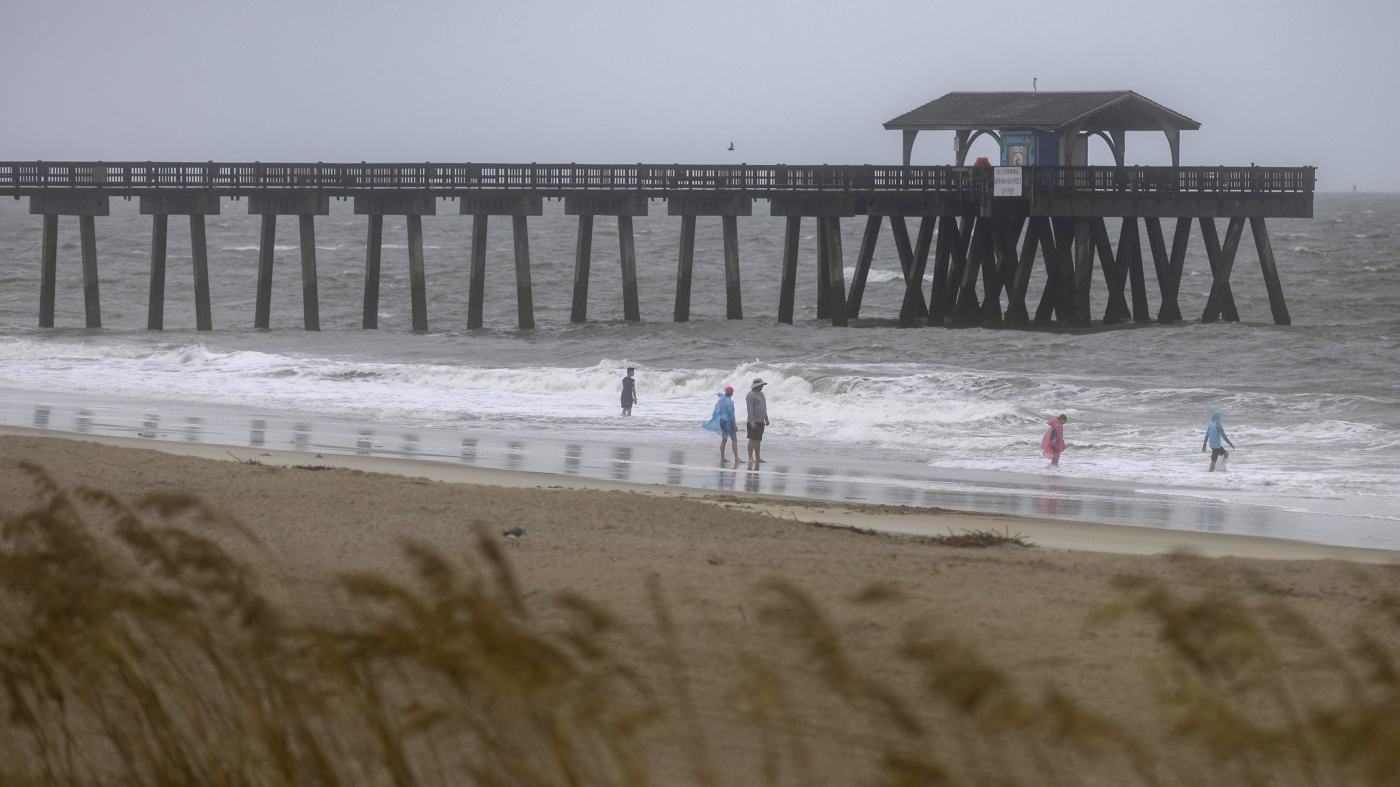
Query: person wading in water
(629,391)
(1053,443)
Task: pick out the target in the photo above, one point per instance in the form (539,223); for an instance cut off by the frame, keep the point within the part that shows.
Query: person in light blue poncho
(1214,434)
(722,421)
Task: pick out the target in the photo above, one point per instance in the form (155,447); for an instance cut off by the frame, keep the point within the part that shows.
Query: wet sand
(1026,609)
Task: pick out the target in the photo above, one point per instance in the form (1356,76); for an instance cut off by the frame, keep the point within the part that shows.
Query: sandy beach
(1026,609)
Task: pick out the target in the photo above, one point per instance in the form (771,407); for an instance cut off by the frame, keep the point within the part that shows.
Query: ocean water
(1314,408)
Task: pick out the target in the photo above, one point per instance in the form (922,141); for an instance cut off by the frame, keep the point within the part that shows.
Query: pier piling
(942,258)
(1083,272)
(836,271)
(627,252)
(374,247)
(823,274)
(92,302)
(1221,301)
(787,294)
(48,271)
(155,306)
(1132,238)
(476,293)
(417,281)
(262,310)
(1270,270)
(199,253)
(524,295)
(684,267)
(310,302)
(582,257)
(863,261)
(733,294)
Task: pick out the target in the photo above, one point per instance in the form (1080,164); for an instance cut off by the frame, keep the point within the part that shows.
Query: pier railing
(19,178)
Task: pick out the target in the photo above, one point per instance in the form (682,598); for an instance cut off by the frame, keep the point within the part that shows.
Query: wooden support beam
(417,280)
(1160,264)
(787,295)
(1176,267)
(92,303)
(1057,300)
(1016,314)
(733,293)
(263,310)
(631,306)
(823,277)
(867,255)
(957,271)
(1133,240)
(310,303)
(1000,267)
(836,272)
(1270,269)
(374,247)
(942,257)
(968,310)
(914,283)
(1064,280)
(1083,272)
(1114,275)
(912,262)
(524,295)
(199,252)
(583,255)
(1221,300)
(48,270)
(155,302)
(684,267)
(476,292)
(905,250)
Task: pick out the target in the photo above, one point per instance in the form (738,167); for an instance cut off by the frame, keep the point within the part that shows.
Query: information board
(1007,182)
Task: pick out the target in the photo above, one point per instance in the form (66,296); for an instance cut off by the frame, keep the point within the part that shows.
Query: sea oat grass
(139,646)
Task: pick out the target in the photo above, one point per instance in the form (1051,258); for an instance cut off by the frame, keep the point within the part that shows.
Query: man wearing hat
(758,418)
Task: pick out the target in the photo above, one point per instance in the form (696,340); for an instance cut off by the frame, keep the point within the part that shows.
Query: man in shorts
(758,419)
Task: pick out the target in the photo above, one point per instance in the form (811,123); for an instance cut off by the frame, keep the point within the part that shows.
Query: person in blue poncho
(722,421)
(1214,434)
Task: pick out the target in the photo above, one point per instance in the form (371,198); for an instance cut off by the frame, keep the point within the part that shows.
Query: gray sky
(1285,83)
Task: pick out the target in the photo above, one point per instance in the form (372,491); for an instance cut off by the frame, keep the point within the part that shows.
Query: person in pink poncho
(1053,443)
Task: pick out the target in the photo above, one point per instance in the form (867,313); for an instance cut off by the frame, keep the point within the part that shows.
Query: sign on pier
(1007,182)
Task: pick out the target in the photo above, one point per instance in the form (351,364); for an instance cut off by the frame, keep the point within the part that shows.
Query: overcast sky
(1280,83)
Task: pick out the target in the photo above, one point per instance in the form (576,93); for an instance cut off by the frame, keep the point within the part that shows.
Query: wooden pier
(983,246)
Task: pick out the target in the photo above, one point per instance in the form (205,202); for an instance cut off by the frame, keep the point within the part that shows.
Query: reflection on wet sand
(301,437)
(622,463)
(871,482)
(674,475)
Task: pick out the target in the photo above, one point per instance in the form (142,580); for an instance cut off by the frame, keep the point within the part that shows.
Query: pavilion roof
(1101,110)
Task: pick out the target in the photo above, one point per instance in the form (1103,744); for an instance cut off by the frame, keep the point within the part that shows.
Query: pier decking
(970,231)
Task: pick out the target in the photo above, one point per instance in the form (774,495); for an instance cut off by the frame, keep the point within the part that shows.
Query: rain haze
(1273,83)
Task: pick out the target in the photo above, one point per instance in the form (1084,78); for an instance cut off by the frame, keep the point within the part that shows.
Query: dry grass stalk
(136,649)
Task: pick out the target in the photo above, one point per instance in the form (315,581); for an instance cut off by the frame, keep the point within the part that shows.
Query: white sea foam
(952,417)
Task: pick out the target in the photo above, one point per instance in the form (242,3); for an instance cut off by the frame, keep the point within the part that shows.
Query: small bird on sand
(514,534)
